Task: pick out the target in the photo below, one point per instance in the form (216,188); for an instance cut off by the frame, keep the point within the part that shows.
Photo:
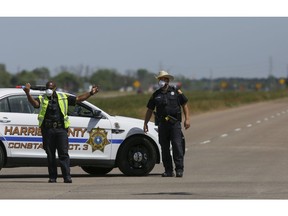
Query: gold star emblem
(98,139)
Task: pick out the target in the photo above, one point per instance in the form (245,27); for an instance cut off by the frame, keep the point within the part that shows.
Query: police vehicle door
(89,136)
(19,129)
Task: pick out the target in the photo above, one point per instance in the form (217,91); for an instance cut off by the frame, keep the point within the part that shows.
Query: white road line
(248,126)
(205,142)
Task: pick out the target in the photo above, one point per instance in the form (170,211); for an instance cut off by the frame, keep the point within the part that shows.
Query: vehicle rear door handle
(5,120)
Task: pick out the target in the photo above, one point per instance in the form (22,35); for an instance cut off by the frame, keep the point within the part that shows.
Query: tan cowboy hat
(164,74)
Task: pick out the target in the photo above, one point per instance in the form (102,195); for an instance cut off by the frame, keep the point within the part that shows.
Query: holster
(171,119)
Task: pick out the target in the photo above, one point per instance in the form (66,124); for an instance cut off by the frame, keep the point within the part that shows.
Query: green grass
(134,105)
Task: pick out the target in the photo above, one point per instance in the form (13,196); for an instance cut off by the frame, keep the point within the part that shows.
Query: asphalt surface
(238,153)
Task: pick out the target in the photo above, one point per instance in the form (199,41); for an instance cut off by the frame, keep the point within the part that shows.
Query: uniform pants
(56,139)
(172,134)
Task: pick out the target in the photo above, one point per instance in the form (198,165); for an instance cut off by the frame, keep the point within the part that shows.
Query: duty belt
(52,124)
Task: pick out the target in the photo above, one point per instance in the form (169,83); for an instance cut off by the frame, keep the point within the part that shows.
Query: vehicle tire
(137,157)
(2,158)
(96,170)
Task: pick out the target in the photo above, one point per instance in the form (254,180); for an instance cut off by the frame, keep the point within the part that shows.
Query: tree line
(74,81)
(111,80)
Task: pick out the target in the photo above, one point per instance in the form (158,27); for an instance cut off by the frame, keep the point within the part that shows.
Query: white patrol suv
(98,142)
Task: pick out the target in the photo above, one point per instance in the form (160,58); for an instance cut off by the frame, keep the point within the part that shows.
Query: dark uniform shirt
(167,103)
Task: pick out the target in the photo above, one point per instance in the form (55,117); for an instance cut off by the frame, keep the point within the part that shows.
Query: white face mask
(161,83)
(49,92)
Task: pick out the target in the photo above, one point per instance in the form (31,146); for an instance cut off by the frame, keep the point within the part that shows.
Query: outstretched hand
(94,90)
(27,88)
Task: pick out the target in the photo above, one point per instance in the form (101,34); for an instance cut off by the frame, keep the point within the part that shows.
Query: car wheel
(2,158)
(96,170)
(137,157)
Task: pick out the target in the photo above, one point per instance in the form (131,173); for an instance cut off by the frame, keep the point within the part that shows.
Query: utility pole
(270,66)
(211,80)
(270,76)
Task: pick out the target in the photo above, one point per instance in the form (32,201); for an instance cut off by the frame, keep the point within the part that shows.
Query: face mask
(49,92)
(161,83)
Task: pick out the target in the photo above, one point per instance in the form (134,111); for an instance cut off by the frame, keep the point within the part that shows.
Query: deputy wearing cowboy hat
(168,102)
(162,74)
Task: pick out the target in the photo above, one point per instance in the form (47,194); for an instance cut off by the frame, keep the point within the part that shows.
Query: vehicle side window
(4,105)
(80,111)
(20,104)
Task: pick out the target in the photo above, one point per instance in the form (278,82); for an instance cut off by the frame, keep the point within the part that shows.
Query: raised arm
(32,101)
(84,96)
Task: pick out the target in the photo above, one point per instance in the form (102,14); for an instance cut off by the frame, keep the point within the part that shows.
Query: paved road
(239,153)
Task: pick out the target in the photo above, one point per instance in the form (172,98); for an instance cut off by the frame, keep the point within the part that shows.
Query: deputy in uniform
(168,101)
(54,124)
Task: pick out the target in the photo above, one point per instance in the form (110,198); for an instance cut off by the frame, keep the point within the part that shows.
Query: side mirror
(97,114)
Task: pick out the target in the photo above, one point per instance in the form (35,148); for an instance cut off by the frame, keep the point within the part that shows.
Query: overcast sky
(195,47)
